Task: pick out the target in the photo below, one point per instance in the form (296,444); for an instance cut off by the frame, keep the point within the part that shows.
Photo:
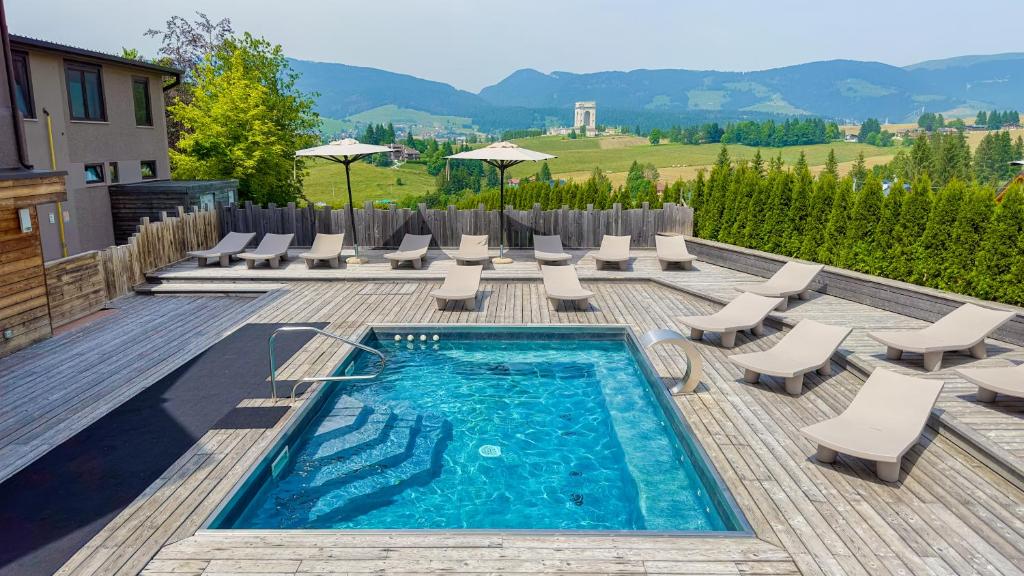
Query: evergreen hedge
(955,238)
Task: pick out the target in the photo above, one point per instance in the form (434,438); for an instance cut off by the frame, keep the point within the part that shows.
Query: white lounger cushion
(613,249)
(808,346)
(325,247)
(1007,380)
(884,420)
(549,249)
(412,249)
(673,249)
(272,248)
(792,279)
(472,249)
(562,283)
(230,245)
(460,283)
(959,330)
(744,312)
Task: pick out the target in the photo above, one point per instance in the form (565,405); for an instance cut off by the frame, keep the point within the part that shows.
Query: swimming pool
(489,428)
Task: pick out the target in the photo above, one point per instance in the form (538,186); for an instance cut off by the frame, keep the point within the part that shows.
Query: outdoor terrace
(958,508)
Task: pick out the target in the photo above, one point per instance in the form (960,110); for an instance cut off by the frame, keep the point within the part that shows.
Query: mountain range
(845,90)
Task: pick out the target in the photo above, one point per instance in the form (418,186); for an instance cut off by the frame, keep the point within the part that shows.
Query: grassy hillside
(326,182)
(577,158)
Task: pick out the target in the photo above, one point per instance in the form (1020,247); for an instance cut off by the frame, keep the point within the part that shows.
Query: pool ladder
(273,363)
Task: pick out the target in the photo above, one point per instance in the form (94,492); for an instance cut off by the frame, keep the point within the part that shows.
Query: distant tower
(586,116)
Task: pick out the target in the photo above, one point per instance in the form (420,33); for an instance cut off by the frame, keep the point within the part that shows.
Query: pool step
(373,486)
(347,415)
(392,444)
(370,430)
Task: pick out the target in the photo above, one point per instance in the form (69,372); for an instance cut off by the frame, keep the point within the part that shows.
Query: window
(85,92)
(94,174)
(148,169)
(143,110)
(112,169)
(23,85)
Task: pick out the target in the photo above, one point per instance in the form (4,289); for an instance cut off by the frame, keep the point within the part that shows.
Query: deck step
(376,486)
(246,288)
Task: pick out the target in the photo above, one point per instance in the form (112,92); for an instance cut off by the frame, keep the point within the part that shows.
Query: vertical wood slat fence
(384,228)
(157,244)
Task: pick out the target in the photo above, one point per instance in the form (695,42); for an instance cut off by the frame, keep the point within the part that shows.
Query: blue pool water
(488,431)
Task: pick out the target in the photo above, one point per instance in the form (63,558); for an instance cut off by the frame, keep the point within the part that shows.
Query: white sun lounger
(231,245)
(672,250)
(807,347)
(962,329)
(614,250)
(273,248)
(472,249)
(745,312)
(1007,380)
(460,283)
(413,249)
(793,279)
(548,250)
(562,283)
(884,420)
(327,248)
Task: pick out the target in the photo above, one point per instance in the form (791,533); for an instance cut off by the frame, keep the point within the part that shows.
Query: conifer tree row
(955,237)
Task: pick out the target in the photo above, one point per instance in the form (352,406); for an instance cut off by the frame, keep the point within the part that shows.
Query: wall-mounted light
(25,219)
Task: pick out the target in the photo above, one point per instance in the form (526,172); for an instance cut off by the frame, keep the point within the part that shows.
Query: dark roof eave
(26,42)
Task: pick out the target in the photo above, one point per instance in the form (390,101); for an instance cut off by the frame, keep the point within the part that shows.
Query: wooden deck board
(950,514)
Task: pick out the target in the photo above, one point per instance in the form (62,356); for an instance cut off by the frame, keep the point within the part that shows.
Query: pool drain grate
(490,451)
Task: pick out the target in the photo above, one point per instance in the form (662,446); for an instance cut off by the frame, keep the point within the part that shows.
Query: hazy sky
(472,44)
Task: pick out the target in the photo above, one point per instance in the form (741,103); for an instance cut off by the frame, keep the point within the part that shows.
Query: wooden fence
(385,227)
(156,244)
(75,287)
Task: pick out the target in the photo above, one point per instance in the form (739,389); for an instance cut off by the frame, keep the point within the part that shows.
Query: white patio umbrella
(502,155)
(346,152)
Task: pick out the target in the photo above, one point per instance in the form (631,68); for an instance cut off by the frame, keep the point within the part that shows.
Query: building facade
(98,117)
(586,117)
(24,305)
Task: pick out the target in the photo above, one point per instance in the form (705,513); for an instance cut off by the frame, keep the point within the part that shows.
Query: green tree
(913,217)
(933,244)
(952,158)
(245,120)
(799,210)
(859,172)
(776,217)
(835,232)
(965,239)
(831,164)
(858,251)
(492,177)
(999,265)
(544,175)
(981,119)
(819,212)
(870,127)
(654,137)
(716,189)
(920,159)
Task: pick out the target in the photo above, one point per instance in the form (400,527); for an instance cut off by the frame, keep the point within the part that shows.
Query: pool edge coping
(729,507)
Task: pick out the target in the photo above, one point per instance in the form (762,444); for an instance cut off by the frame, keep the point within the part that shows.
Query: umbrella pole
(501,259)
(352,218)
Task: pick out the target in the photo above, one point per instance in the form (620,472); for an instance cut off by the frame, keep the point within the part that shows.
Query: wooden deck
(996,428)
(950,514)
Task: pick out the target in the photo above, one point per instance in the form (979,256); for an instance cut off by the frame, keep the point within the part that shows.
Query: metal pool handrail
(273,363)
